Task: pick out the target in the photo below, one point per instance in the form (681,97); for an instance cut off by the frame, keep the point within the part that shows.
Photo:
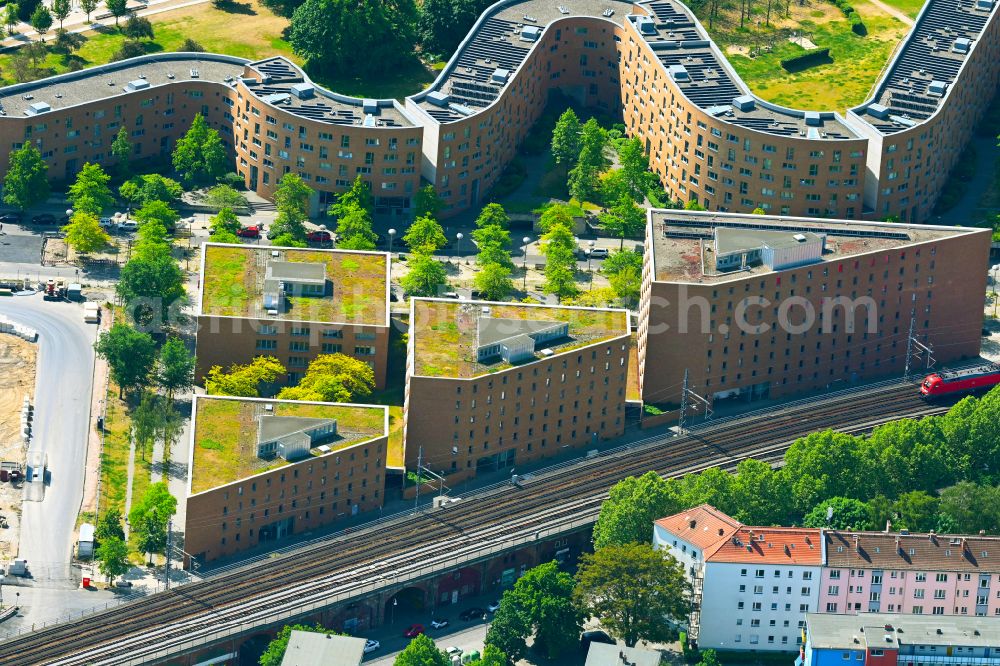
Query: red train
(970,380)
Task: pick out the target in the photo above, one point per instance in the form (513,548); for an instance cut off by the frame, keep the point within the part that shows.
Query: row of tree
(939,472)
(148,523)
(329,378)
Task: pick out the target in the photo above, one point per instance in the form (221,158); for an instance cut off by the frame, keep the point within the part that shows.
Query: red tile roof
(703,526)
(771,545)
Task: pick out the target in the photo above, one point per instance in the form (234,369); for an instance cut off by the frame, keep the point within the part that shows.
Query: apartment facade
(241,494)
(493,385)
(292,304)
(756,306)
(710,139)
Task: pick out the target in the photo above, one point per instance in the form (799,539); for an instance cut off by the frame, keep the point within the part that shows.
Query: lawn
(225,276)
(259,35)
(909,7)
(847,81)
(114,457)
(226,436)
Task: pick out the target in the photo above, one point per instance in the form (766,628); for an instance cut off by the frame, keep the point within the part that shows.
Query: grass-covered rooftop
(445,341)
(233,285)
(225,435)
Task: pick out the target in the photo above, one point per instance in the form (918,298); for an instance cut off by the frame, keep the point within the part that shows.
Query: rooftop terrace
(919,78)
(444,333)
(226,432)
(234,277)
(117,78)
(683,241)
(281,83)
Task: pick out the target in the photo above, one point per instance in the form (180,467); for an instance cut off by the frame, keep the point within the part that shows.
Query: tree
(138,27)
(333,378)
(494,282)
(146,420)
(275,651)
(634,171)
(354,228)
(584,177)
(637,592)
(130,356)
(109,525)
(541,603)
(422,652)
(11,17)
(693,205)
(189,45)
(157,211)
(359,195)
(425,235)
(129,49)
(847,514)
(627,285)
(492,215)
(492,656)
(427,202)
(558,246)
(175,367)
(709,657)
(121,147)
(151,242)
(292,195)
(425,277)
(224,196)
(915,511)
(90,193)
(354,36)
(566,139)
(112,558)
(968,508)
(758,211)
(443,24)
(88,6)
(633,504)
(243,380)
(118,8)
(225,220)
(493,241)
(148,518)
(26,182)
(758,494)
(555,214)
(509,629)
(150,286)
(41,19)
(199,155)
(226,236)
(85,234)
(60,10)
(624,219)
(26,8)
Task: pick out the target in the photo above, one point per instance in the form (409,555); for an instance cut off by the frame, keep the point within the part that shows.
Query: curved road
(63,387)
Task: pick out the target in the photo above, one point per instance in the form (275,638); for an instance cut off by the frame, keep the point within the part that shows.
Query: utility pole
(909,348)
(420,463)
(915,349)
(166,570)
(684,404)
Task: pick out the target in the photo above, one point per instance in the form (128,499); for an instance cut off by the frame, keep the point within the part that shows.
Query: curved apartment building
(708,137)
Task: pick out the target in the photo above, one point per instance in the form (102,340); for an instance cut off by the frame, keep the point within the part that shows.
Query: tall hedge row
(857,25)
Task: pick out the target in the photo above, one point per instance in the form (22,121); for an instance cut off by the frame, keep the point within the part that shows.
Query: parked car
(439,623)
(413,631)
(454,651)
(322,237)
(44,218)
(494,605)
(472,614)
(249,232)
(107,222)
(371,645)
(128,226)
(599,253)
(11,218)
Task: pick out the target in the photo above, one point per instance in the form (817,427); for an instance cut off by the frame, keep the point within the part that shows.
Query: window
(267,344)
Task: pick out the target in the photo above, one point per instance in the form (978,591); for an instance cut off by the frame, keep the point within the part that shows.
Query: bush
(806,60)
(857,25)
(130,49)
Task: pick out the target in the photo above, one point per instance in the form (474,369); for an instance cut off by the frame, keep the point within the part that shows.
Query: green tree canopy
(845,513)
(157,211)
(150,287)
(555,214)
(27,180)
(359,195)
(149,516)
(422,651)
(566,139)
(540,603)
(634,169)
(130,356)
(199,155)
(442,24)
(175,367)
(112,558)
(243,380)
(427,202)
(637,593)
(425,276)
(493,242)
(225,196)
(88,6)
(138,27)
(492,214)
(121,147)
(624,219)
(41,19)
(354,228)
(224,220)
(333,378)
(109,524)
(90,193)
(633,504)
(292,196)
(559,247)
(275,651)
(494,281)
(425,235)
(85,234)
(118,8)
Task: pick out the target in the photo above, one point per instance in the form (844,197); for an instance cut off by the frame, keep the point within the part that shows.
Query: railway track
(364,559)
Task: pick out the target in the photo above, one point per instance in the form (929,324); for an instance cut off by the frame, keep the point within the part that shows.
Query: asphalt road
(64,382)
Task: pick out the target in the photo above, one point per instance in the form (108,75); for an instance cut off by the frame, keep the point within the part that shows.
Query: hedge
(857,25)
(806,60)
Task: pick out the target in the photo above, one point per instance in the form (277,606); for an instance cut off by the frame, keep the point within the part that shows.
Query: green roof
(444,332)
(234,277)
(226,431)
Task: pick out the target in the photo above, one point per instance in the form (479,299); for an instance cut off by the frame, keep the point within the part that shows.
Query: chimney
(692,523)
(788,552)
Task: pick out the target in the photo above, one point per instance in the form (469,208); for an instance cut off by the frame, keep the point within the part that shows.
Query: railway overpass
(375,560)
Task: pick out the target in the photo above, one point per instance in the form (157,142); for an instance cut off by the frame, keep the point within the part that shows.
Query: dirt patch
(17,367)
(55,252)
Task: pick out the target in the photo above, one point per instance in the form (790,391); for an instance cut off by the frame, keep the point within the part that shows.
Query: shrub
(806,60)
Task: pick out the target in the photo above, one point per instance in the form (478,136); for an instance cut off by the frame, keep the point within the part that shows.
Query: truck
(74,292)
(55,291)
(18,567)
(91,313)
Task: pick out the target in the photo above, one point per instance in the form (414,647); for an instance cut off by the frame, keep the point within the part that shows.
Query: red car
(249,232)
(319,237)
(413,631)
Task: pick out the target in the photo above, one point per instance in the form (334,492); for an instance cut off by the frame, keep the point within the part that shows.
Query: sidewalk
(95,441)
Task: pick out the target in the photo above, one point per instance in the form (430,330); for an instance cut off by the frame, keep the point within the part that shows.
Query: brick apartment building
(293,304)
(492,385)
(262,470)
(754,585)
(709,138)
(760,306)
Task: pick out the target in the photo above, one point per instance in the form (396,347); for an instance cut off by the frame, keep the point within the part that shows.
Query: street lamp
(392,233)
(458,247)
(395,602)
(69,213)
(526,240)
(590,253)
(995,270)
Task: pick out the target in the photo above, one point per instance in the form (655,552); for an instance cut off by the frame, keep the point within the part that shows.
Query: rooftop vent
(370,106)
(438,98)
(879,111)
(936,88)
(37,107)
(984,4)
(195,74)
(744,103)
(500,75)
(645,25)
(679,73)
(961,45)
(170,75)
(461,109)
(799,238)
(813,119)
(137,84)
(530,33)
(303,90)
